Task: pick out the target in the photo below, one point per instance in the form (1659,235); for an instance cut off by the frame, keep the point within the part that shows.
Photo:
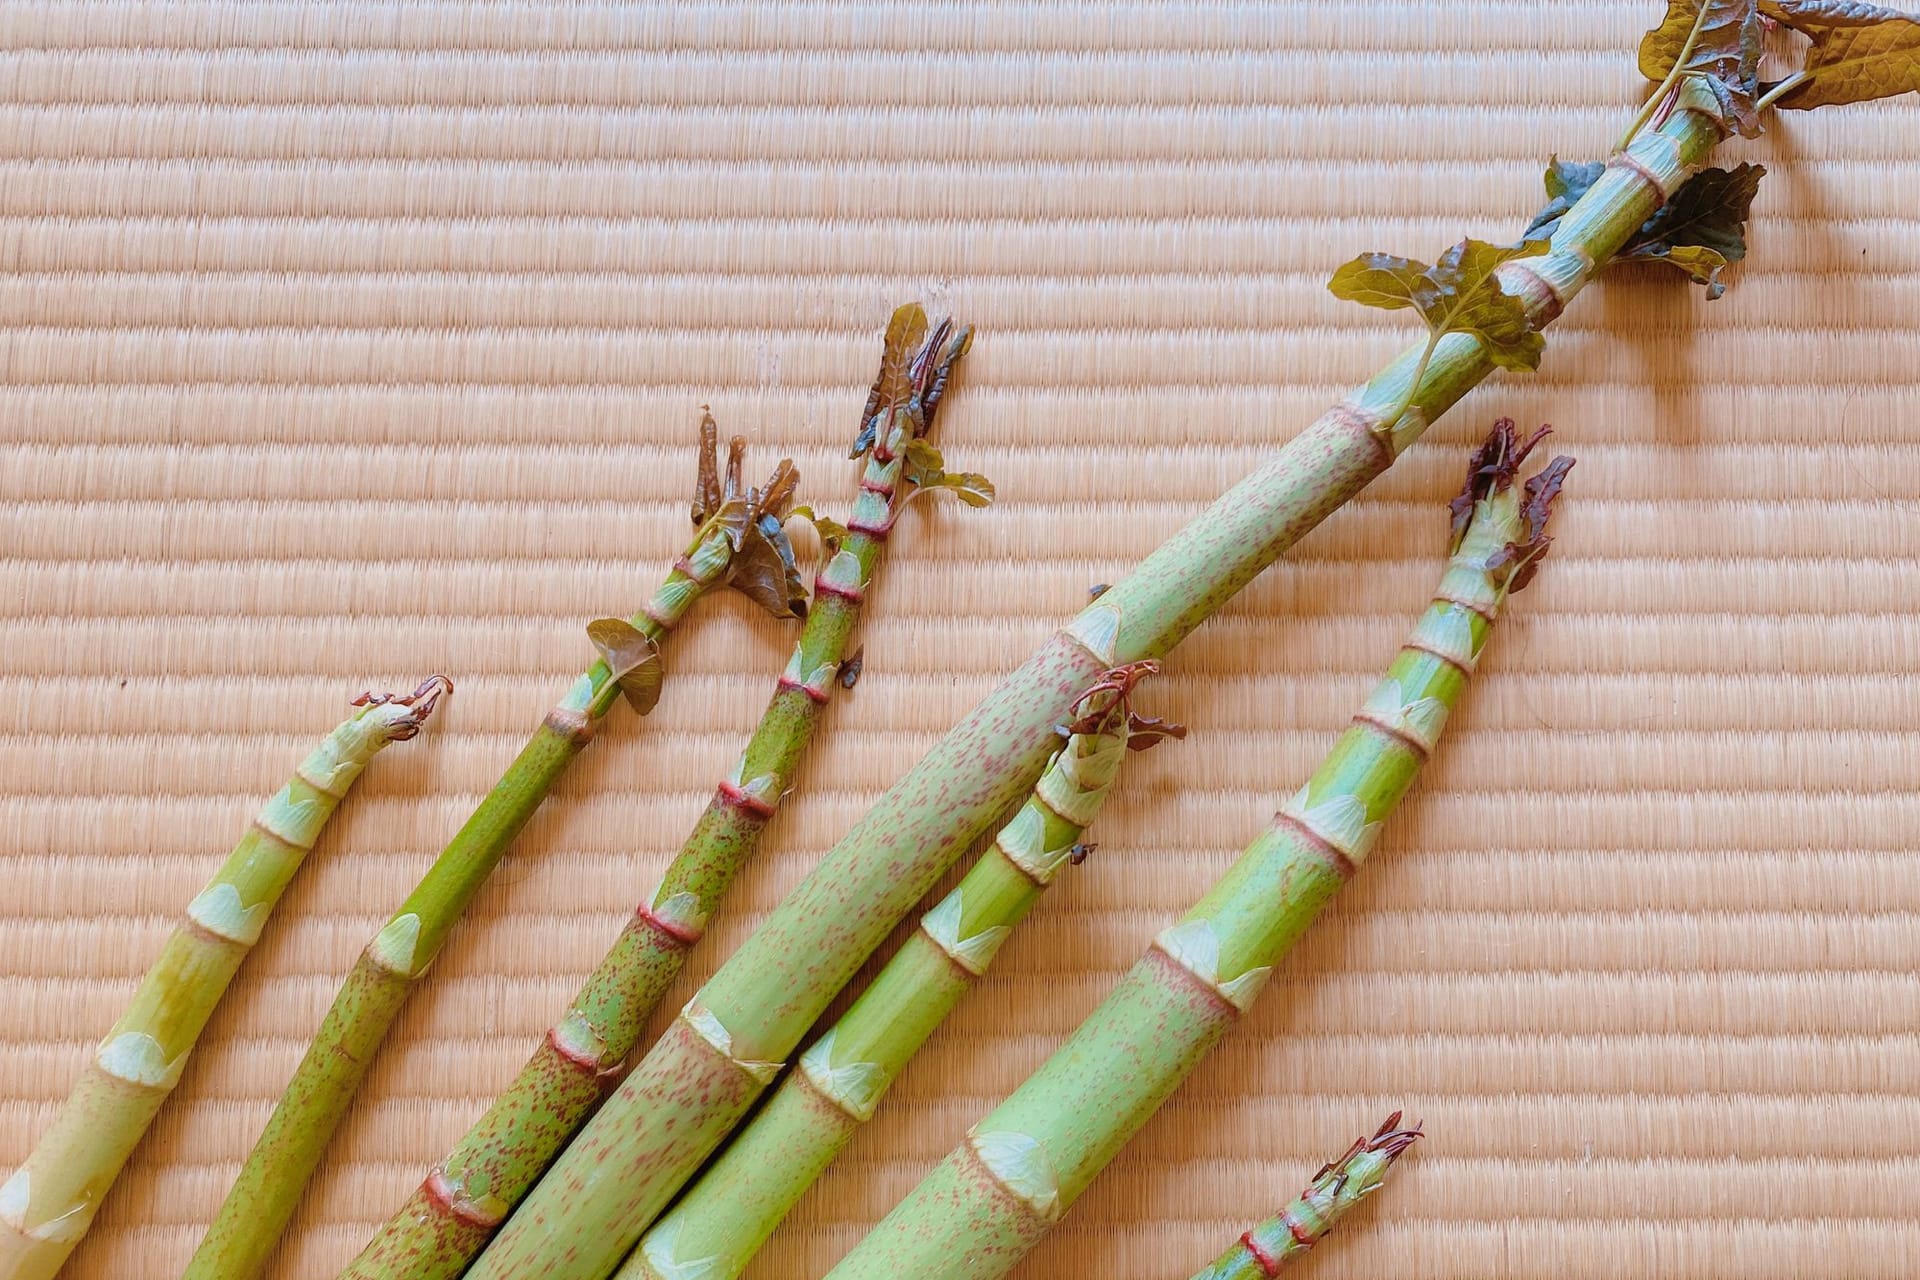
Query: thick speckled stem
(50,1201)
(449,1219)
(256,1212)
(1282,1240)
(1023,1166)
(690,1090)
(718,1226)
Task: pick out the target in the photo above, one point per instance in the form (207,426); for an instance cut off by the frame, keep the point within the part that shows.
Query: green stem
(1395,411)
(448,1220)
(721,1223)
(1780,90)
(1024,1165)
(50,1201)
(1282,1240)
(692,1088)
(261,1203)
(1673,75)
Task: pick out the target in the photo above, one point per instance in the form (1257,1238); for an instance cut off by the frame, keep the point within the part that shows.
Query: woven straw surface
(344,343)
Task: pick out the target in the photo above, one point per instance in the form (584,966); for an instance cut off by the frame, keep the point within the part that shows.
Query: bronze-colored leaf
(1702,228)
(1491,469)
(1541,489)
(736,461)
(1536,507)
(926,359)
(1725,55)
(893,387)
(1458,294)
(1567,181)
(764,570)
(933,385)
(706,490)
(1860,51)
(733,519)
(776,496)
(850,669)
(1699,231)
(632,658)
(1148,731)
(1462,294)
(1379,280)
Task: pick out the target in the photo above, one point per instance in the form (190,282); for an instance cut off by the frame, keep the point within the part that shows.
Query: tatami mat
(344,343)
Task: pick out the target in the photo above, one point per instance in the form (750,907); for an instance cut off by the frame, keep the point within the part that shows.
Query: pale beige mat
(344,343)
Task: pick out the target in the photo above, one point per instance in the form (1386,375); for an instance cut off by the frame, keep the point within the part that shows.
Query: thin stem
(1399,409)
(1666,86)
(1781,90)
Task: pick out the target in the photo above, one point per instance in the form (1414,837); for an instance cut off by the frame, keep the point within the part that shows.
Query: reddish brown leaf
(633,659)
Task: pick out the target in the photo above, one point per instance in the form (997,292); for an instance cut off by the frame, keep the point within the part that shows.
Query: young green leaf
(832,532)
(970,487)
(1730,32)
(1381,280)
(1860,52)
(1725,54)
(926,470)
(632,657)
(1461,293)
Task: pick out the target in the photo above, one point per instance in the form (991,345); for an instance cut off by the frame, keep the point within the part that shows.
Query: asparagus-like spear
(720,1224)
(683,1097)
(1290,1235)
(738,541)
(449,1219)
(1023,1166)
(49,1202)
